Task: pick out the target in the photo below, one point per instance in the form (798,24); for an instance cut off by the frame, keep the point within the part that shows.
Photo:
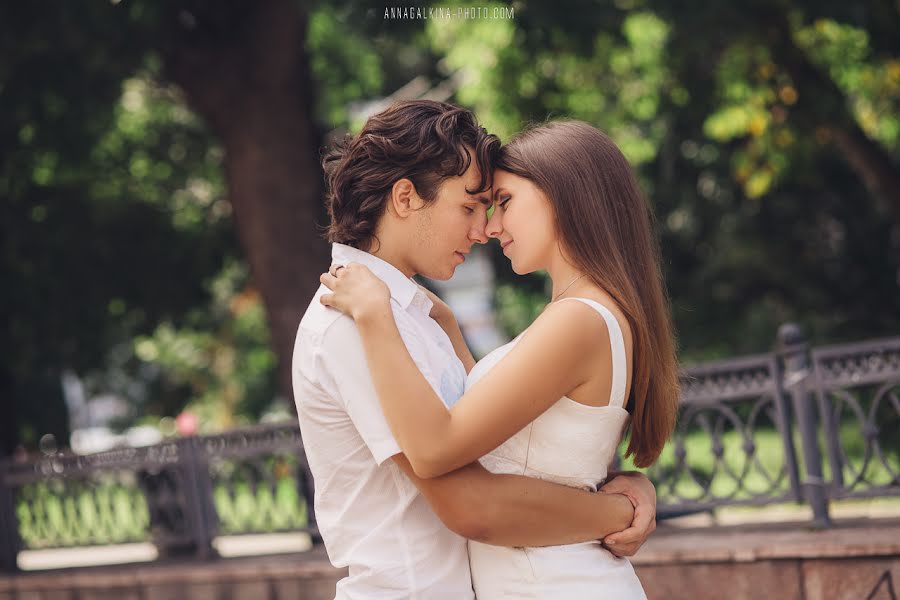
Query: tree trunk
(244,68)
(9,424)
(826,106)
(872,164)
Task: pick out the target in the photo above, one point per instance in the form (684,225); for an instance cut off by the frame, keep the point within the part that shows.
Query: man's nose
(478,234)
(494,226)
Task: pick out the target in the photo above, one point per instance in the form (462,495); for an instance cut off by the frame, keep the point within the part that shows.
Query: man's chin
(442,275)
(446,276)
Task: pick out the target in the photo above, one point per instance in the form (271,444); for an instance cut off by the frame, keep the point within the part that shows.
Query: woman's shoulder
(593,297)
(570,322)
(586,319)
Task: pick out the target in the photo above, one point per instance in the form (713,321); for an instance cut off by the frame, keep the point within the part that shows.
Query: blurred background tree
(162,199)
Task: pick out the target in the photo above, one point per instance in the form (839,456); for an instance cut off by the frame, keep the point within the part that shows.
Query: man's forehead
(472,179)
(483,197)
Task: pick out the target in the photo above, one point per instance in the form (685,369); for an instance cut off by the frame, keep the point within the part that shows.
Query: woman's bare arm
(544,366)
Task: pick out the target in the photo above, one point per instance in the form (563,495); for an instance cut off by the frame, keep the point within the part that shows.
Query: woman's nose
(494,225)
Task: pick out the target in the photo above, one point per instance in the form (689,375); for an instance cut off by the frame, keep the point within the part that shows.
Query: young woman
(554,402)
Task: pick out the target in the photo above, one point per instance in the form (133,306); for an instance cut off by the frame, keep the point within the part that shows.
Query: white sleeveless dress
(572,444)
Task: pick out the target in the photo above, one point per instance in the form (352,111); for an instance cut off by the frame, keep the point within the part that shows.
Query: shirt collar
(404,290)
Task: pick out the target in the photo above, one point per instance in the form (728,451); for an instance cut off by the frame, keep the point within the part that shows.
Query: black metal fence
(797,425)
(179,495)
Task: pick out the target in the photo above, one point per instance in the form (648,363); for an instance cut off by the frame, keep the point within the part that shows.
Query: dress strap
(617,345)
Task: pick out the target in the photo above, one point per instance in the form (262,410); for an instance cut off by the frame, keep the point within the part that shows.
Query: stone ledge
(854,559)
(308,565)
(779,541)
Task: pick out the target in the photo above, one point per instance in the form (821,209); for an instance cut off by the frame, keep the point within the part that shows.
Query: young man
(408,195)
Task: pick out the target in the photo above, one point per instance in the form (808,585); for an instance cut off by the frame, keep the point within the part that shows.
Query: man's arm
(513,510)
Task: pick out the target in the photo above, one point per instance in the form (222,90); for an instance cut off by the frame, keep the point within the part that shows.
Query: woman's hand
(357,292)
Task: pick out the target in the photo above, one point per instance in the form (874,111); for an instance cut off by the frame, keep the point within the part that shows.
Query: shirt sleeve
(344,360)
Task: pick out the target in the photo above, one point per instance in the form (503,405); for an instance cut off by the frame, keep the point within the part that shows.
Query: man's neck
(391,256)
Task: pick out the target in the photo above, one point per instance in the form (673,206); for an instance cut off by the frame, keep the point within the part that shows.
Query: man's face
(446,229)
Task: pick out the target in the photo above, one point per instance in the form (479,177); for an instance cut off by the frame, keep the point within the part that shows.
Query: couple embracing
(439,477)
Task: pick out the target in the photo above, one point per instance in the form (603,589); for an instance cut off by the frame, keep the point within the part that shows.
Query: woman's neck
(566,278)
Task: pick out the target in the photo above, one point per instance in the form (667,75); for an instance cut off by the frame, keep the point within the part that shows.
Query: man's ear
(404,200)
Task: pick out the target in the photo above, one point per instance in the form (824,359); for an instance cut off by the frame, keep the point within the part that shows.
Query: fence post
(9,527)
(198,494)
(309,494)
(786,431)
(794,351)
(177,501)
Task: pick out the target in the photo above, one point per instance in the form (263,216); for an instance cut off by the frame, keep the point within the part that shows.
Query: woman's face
(523,222)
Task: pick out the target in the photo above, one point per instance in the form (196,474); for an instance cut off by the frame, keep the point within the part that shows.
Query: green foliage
(870,83)
(761,218)
(118,259)
(111,508)
(483,56)
(517,309)
(244,506)
(154,142)
(51,514)
(346,66)
(221,356)
(616,84)
(757,97)
(114,210)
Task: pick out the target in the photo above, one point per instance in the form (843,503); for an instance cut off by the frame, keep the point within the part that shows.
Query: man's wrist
(632,484)
(444,317)
(439,310)
(631,498)
(621,511)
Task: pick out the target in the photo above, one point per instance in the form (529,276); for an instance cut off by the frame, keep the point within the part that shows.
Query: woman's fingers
(328,280)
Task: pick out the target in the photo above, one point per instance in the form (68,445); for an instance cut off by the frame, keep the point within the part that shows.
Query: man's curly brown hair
(420,140)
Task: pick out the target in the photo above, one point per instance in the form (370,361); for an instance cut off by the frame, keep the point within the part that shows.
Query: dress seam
(528,447)
(524,470)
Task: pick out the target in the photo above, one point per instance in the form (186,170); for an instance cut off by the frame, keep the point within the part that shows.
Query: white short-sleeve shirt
(371,517)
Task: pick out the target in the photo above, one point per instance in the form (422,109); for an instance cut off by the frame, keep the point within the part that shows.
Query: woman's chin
(518,270)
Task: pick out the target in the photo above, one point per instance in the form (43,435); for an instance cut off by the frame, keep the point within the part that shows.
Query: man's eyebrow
(486,200)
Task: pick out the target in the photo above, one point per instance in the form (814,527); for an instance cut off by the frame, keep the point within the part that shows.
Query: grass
(740,476)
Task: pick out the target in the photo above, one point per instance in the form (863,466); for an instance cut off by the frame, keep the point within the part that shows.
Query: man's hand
(637,488)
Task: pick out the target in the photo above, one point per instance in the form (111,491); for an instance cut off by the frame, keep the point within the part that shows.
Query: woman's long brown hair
(606,229)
